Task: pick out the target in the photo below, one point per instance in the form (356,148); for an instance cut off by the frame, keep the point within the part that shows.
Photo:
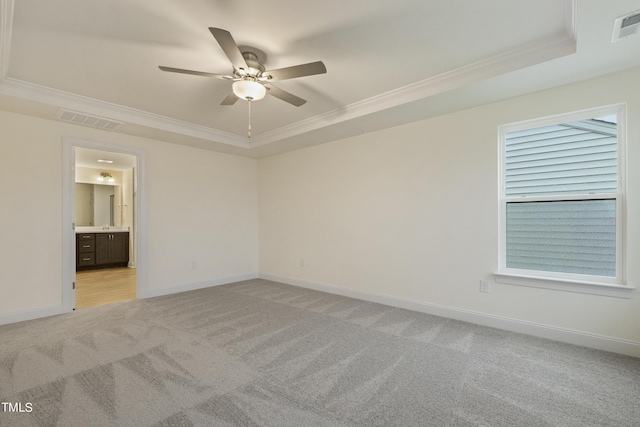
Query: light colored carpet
(259,353)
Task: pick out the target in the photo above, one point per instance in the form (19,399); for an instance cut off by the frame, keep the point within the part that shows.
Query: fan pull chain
(249,131)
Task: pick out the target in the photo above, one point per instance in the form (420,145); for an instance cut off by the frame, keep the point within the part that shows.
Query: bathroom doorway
(102,195)
(105,184)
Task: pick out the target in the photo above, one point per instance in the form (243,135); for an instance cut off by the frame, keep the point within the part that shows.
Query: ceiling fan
(250,80)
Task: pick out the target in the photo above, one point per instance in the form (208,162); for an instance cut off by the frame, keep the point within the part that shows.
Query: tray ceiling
(388,60)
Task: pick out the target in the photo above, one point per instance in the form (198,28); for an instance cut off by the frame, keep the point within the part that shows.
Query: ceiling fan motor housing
(255,68)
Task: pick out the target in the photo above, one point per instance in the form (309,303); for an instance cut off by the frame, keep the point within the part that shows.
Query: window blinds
(563,236)
(568,236)
(570,158)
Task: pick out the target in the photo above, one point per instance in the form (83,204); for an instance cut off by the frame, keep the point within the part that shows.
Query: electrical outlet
(484,286)
(194,265)
(301,262)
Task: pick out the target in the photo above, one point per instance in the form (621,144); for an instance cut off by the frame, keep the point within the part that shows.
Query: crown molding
(83,104)
(6,23)
(516,59)
(522,57)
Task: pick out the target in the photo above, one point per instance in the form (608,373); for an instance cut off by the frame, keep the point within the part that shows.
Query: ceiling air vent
(87,120)
(625,26)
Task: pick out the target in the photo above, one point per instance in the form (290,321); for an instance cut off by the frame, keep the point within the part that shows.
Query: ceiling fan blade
(195,73)
(230,99)
(285,96)
(296,71)
(230,48)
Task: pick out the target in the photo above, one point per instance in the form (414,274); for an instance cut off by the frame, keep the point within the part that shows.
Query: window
(561,202)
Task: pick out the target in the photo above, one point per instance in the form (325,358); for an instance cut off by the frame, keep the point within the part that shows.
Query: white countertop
(101,229)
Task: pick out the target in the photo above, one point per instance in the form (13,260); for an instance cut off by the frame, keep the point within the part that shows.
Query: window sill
(583,287)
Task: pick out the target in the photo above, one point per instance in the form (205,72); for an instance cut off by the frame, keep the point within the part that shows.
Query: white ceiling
(388,62)
(88,158)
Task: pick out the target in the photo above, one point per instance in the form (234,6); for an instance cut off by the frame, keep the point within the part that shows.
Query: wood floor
(99,287)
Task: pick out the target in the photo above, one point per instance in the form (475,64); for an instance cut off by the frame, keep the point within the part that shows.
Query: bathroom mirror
(95,204)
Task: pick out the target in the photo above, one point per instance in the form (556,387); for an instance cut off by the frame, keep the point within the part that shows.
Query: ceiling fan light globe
(249,90)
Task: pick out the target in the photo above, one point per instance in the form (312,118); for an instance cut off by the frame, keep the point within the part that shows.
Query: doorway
(105,229)
(102,204)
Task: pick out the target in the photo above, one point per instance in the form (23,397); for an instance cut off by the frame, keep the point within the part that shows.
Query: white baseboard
(32,313)
(600,342)
(198,285)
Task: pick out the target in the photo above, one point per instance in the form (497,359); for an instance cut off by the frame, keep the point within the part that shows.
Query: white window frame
(598,285)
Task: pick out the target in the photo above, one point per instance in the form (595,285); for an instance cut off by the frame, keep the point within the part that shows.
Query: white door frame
(69,145)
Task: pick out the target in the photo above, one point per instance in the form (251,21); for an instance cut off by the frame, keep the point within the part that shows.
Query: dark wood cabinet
(112,248)
(102,250)
(85,250)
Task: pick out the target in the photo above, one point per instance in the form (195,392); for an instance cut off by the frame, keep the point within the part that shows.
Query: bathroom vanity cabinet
(102,250)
